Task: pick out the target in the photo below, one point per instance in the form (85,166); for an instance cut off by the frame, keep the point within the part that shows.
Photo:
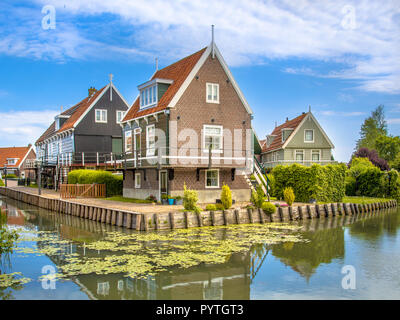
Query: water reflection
(230,280)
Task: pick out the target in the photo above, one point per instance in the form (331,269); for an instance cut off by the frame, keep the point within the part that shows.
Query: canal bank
(185,219)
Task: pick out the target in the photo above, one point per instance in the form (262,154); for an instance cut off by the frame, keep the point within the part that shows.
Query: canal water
(64,257)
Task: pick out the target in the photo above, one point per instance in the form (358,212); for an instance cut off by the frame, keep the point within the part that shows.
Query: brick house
(15,160)
(190,124)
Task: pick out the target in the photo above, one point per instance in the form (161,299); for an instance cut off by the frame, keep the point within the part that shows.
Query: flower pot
(171,201)
(179,202)
(164,201)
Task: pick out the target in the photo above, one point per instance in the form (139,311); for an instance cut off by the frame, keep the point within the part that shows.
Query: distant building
(14,160)
(300,140)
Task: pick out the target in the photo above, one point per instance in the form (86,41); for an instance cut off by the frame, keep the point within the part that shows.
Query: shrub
(323,183)
(11,176)
(1,183)
(373,156)
(351,185)
(114,183)
(211,207)
(271,184)
(268,208)
(226,197)
(288,195)
(257,197)
(151,198)
(220,206)
(190,199)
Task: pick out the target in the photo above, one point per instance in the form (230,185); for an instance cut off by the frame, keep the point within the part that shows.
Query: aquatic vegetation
(139,255)
(8,280)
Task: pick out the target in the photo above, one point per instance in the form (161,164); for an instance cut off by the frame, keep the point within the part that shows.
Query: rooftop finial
(61,109)
(309,108)
(156,64)
(212,41)
(111,77)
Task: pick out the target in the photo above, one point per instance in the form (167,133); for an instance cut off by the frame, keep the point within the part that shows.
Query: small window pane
(309,135)
(212,178)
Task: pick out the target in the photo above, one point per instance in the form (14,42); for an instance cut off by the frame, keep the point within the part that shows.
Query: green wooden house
(300,140)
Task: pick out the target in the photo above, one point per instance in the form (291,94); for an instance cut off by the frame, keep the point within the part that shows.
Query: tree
(373,156)
(388,147)
(373,127)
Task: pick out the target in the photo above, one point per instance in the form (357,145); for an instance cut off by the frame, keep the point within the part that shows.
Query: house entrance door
(163,183)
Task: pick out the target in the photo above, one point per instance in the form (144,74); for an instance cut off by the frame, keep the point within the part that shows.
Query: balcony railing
(270,164)
(153,157)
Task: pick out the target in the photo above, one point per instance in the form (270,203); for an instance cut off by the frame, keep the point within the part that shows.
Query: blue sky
(340,57)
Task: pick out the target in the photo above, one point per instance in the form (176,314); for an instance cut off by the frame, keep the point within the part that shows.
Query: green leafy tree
(388,147)
(288,195)
(373,127)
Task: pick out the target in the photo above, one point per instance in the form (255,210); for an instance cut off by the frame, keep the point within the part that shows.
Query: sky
(342,58)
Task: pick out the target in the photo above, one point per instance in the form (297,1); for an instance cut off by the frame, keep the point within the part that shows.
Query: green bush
(220,206)
(351,185)
(271,184)
(226,197)
(11,176)
(211,207)
(257,197)
(190,199)
(1,183)
(288,195)
(393,184)
(114,183)
(325,183)
(268,207)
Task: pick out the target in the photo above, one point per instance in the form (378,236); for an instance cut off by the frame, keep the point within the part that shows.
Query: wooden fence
(94,190)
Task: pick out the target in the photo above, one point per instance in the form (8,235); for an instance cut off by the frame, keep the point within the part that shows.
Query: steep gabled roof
(277,143)
(177,72)
(19,153)
(74,113)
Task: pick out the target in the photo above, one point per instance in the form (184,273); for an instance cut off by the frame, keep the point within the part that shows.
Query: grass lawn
(33,186)
(363,200)
(131,200)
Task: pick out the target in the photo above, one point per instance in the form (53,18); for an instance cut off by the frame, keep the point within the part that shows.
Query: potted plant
(178,200)
(164,199)
(171,200)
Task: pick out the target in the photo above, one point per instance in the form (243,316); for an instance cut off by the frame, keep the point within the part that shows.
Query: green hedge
(113,183)
(1,183)
(325,183)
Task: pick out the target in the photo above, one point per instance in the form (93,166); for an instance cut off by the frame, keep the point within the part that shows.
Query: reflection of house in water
(305,257)
(14,216)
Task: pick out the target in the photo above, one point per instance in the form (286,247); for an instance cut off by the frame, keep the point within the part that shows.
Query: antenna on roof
(156,64)
(61,108)
(111,77)
(309,108)
(212,41)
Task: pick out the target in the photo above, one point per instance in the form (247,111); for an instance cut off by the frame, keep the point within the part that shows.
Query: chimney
(92,91)
(287,119)
(29,145)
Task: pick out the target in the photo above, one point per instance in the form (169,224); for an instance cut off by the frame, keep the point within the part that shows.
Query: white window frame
(306,141)
(101,120)
(126,141)
(314,152)
(205,179)
(122,115)
(299,151)
(220,150)
(148,96)
(150,152)
(214,86)
(14,161)
(138,178)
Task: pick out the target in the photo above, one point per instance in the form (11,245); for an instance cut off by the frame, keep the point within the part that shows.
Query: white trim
(138,186)
(295,154)
(90,107)
(121,96)
(196,69)
(221,149)
(205,179)
(153,82)
(95,116)
(148,153)
(315,151)
(313,138)
(125,140)
(213,85)
(116,116)
(309,114)
(159,182)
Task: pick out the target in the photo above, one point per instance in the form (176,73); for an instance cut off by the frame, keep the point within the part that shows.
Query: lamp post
(39,181)
(5,175)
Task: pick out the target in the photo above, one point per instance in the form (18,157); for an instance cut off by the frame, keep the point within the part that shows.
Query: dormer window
(152,91)
(12,161)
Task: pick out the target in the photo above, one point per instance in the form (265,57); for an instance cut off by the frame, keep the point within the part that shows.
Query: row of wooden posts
(179,220)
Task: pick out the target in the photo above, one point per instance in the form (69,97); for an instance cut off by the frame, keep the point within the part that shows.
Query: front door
(163,182)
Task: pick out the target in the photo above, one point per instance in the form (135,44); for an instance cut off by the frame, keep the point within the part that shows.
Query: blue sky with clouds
(340,57)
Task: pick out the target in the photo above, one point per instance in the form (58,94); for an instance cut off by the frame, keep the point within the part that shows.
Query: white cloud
(22,127)
(247,32)
(393,121)
(341,113)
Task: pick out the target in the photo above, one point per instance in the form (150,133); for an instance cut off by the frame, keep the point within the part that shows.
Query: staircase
(261,178)
(61,176)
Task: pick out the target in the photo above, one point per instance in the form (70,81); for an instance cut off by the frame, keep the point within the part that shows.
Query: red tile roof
(277,142)
(13,152)
(177,72)
(74,112)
